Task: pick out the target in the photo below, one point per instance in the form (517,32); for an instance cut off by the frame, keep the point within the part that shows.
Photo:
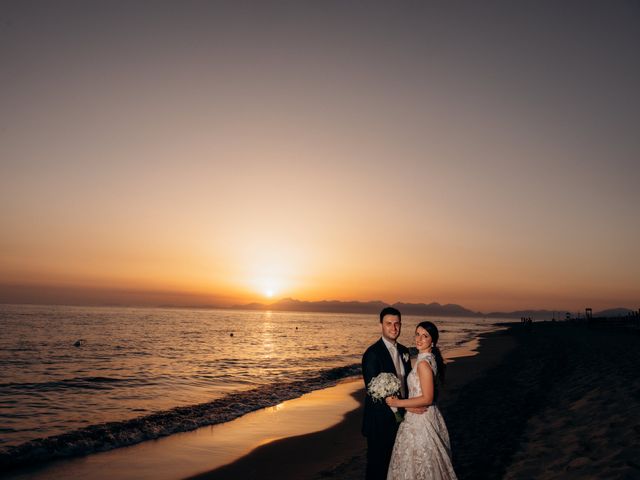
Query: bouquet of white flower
(382,386)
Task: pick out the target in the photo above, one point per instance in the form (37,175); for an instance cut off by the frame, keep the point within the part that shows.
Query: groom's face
(391,327)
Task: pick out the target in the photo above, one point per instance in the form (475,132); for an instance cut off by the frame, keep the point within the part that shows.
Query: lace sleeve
(431,361)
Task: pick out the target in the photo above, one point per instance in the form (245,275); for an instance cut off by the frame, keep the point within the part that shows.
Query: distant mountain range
(373,307)
(431,309)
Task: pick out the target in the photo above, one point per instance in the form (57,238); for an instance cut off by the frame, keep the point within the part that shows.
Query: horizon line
(265,307)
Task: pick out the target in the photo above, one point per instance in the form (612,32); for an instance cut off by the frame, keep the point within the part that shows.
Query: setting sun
(268,287)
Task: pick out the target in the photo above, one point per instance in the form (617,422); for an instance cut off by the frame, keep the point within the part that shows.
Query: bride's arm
(425,375)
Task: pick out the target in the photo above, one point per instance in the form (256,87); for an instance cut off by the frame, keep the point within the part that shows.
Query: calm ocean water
(134,362)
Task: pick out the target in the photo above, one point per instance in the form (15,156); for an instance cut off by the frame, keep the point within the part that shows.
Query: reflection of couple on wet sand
(418,448)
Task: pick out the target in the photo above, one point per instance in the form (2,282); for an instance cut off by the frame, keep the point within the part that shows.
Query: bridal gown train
(422,450)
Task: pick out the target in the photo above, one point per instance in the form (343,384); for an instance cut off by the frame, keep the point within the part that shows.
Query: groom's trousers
(379,448)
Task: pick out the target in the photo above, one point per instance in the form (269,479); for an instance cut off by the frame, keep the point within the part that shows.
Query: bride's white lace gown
(422,450)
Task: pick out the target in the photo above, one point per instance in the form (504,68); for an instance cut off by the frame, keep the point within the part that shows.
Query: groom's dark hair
(390,311)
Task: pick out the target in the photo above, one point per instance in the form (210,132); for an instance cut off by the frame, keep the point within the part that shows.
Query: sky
(478,153)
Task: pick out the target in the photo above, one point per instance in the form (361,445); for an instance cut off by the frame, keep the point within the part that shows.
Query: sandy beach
(551,400)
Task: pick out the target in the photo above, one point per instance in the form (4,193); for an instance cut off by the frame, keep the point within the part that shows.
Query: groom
(379,424)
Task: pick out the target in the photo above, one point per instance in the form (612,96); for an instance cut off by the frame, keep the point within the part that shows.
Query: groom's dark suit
(379,424)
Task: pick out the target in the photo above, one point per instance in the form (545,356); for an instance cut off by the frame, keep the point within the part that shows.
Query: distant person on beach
(422,450)
(379,423)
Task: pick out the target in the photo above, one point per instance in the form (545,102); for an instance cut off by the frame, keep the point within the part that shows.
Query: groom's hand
(418,410)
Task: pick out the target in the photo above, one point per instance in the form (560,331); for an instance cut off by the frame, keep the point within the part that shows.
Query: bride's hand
(391,401)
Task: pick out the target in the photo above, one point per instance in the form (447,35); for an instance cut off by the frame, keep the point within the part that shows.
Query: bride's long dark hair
(433,332)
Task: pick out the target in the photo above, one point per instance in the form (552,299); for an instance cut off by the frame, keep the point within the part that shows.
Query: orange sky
(214,155)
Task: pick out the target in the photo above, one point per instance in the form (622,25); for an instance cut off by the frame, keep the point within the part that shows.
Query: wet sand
(189,453)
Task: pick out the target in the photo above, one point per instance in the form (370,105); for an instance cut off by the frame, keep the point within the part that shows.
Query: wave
(107,436)
(92,383)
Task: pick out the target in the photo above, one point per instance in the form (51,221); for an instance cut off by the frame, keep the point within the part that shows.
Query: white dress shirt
(393,350)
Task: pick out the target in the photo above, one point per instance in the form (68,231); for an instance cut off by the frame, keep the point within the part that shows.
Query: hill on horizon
(373,307)
(431,309)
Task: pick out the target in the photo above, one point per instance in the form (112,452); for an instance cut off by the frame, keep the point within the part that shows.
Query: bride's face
(423,340)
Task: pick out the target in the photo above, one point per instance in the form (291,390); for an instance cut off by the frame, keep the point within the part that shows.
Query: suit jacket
(378,418)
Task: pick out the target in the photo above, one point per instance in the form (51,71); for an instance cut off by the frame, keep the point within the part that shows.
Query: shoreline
(188,453)
(551,400)
(299,457)
(162,424)
(339,452)
(207,448)
(139,395)
(548,400)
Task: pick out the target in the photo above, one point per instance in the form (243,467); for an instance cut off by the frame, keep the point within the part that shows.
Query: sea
(76,380)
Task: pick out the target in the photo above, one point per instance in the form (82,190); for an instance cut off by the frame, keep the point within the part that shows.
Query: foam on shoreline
(107,436)
(190,453)
(207,447)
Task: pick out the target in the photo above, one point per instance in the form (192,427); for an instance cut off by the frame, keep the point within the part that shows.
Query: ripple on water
(141,360)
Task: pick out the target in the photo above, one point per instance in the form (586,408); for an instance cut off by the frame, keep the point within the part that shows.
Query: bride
(422,450)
